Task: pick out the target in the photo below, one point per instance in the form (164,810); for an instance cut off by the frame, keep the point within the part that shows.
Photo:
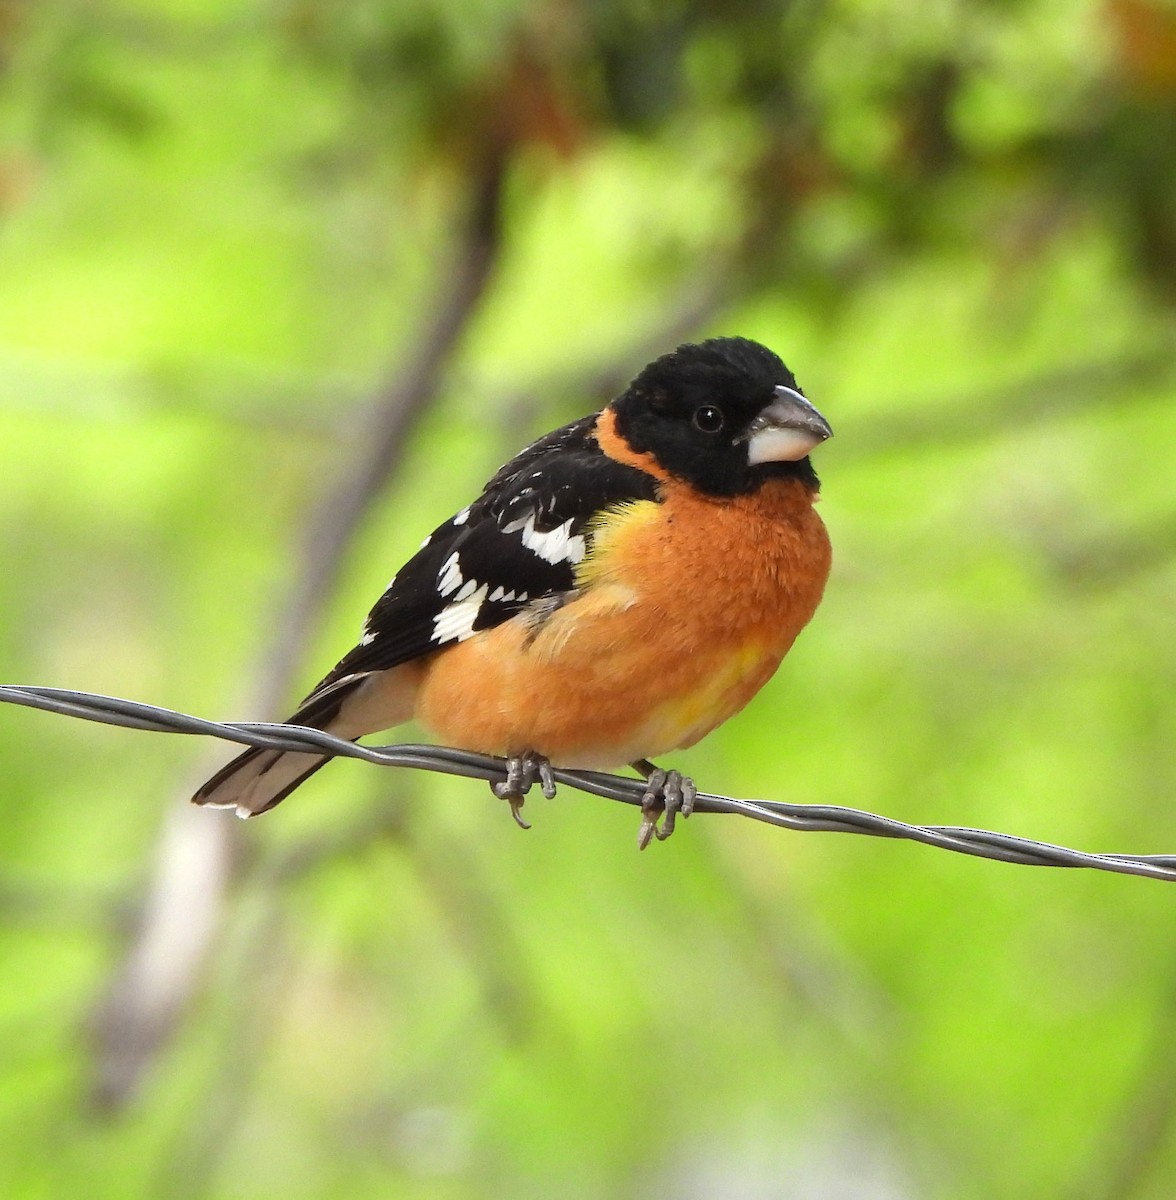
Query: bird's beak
(786,430)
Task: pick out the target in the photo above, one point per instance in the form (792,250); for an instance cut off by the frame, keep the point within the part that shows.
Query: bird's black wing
(518,543)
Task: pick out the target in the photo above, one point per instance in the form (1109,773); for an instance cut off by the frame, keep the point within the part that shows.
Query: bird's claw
(668,793)
(522,772)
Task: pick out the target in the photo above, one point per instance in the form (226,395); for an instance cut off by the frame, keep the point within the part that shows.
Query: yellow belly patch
(725,688)
(613,533)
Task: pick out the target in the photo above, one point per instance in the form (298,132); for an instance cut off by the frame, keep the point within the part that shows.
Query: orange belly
(656,650)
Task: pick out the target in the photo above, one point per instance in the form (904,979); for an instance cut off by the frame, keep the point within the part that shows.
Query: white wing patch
(461,518)
(450,578)
(555,545)
(455,622)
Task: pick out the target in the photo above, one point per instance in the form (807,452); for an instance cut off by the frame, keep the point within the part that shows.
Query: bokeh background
(281,283)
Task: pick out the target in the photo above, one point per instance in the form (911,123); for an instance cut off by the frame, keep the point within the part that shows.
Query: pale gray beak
(786,430)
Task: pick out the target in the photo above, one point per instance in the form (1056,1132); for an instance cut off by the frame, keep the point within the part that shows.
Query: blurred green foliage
(222,227)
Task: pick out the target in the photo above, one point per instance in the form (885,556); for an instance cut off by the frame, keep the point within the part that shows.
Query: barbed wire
(809,818)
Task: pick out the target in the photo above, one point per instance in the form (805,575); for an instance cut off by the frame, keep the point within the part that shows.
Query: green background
(226,231)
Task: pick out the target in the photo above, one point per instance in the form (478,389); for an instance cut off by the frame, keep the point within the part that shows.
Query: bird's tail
(258,779)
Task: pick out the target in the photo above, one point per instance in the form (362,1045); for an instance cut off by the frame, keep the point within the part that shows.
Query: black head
(725,415)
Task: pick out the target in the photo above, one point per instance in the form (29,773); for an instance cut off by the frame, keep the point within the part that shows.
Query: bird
(619,588)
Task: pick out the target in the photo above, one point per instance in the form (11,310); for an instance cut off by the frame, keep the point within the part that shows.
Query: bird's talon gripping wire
(522,772)
(546,779)
(667,794)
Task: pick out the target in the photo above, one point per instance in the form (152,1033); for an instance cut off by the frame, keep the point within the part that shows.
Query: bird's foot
(522,772)
(666,792)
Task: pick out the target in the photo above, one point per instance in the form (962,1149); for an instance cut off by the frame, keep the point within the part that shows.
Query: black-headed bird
(619,588)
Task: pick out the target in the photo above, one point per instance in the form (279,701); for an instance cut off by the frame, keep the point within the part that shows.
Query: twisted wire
(827,818)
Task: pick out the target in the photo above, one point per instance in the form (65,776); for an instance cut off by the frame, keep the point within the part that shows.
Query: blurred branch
(195,862)
(294,405)
(1045,397)
(308,855)
(276,402)
(484,934)
(291,405)
(259,965)
(1145,1117)
(260,961)
(828,818)
(597,382)
(164,35)
(468,907)
(381,439)
(802,963)
(1116,560)
(57,906)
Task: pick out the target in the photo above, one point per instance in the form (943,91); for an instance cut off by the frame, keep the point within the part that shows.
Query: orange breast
(686,610)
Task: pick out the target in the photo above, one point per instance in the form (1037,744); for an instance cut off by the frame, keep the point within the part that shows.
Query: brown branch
(198,858)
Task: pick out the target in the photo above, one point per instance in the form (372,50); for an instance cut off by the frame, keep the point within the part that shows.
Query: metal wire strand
(829,818)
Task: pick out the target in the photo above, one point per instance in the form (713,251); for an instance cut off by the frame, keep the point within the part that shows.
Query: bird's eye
(708,418)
